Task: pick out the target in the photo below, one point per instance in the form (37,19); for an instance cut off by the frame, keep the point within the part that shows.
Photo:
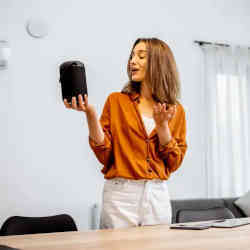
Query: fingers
(161,109)
(86,100)
(80,106)
(157,108)
(66,104)
(80,102)
(164,108)
(73,102)
(73,105)
(171,111)
(83,105)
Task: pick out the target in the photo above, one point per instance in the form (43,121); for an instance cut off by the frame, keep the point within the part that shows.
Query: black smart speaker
(73,80)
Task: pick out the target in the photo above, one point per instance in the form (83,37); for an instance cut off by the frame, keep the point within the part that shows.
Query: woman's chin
(134,79)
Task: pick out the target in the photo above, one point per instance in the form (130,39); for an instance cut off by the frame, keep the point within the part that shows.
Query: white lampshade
(5,53)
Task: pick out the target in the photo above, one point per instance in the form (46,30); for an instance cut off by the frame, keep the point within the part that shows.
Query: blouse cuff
(104,145)
(168,147)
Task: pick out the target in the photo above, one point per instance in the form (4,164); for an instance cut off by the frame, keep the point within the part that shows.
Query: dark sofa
(186,210)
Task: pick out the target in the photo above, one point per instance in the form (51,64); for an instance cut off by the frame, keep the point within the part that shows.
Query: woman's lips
(134,72)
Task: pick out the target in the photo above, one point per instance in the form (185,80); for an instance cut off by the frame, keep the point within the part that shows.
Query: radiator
(96,211)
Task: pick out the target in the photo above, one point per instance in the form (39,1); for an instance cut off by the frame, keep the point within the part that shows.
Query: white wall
(46,164)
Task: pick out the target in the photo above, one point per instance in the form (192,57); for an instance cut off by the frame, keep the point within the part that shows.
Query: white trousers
(128,203)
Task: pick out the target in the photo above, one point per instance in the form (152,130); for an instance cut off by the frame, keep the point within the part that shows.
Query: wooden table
(137,238)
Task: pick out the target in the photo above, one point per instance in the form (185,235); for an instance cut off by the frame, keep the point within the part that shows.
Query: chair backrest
(31,225)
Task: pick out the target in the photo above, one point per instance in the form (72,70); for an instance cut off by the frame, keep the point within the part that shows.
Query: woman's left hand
(161,115)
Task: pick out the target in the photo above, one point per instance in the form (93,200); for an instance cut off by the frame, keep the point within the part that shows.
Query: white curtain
(226,120)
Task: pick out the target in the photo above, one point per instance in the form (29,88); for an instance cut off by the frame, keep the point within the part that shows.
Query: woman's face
(138,62)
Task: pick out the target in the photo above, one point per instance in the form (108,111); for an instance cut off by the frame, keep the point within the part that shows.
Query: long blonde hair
(161,73)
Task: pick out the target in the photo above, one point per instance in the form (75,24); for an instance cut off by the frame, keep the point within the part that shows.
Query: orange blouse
(128,151)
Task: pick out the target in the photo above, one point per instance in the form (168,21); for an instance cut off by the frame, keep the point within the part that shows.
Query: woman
(140,138)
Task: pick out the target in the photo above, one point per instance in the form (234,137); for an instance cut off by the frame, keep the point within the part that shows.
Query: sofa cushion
(194,204)
(229,203)
(244,203)
(187,215)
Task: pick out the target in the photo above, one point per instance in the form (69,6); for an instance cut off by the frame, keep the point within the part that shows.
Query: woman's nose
(133,60)
(132,63)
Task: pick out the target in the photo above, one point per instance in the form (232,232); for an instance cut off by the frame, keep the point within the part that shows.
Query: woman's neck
(146,93)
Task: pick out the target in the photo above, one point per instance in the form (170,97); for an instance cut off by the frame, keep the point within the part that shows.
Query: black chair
(32,225)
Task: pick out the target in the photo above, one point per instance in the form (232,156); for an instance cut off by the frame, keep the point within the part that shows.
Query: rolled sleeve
(104,151)
(173,153)
(99,147)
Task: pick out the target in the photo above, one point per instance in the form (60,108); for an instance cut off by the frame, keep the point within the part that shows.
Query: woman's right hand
(95,129)
(82,105)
